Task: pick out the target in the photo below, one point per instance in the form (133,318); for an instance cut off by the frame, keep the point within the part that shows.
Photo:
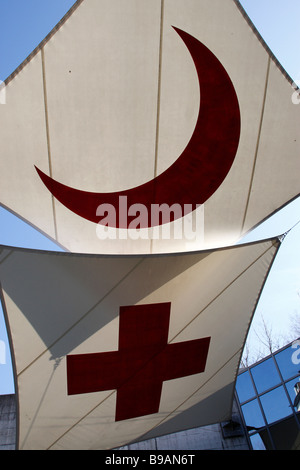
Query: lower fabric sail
(114,349)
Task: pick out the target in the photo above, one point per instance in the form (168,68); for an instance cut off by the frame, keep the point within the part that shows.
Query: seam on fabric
(6,256)
(81,419)
(37,410)
(257,143)
(48,136)
(159,87)
(162,7)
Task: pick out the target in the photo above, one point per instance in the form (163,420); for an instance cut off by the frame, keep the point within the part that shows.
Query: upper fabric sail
(136,117)
(111,349)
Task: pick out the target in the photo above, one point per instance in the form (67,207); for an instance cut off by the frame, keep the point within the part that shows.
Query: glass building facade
(267,395)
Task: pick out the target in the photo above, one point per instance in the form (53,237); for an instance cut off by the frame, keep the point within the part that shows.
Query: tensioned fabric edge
(43,42)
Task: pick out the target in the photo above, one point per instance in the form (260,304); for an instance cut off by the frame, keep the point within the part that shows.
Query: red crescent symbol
(202,166)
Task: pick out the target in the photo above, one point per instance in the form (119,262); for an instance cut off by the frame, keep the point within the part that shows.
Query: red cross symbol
(142,363)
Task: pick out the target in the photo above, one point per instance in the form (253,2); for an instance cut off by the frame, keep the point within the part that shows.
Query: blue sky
(278,23)
(24,23)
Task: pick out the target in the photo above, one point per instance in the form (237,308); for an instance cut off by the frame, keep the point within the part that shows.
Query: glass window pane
(276,405)
(265,375)
(288,361)
(244,387)
(257,442)
(291,390)
(252,414)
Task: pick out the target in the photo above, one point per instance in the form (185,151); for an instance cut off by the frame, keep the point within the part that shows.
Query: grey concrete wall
(7,422)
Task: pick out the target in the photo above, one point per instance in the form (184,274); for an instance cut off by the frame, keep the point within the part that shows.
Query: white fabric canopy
(112,349)
(110,100)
